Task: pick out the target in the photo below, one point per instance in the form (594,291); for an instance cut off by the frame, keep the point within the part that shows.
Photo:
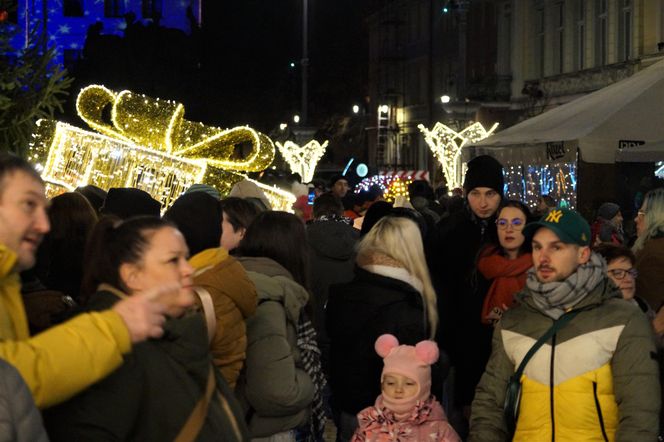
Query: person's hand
(144,313)
(496,313)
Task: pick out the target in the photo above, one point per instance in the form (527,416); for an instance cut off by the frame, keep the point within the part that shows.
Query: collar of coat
(7,261)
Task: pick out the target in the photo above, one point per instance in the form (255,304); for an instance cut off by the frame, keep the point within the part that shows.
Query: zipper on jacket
(599,412)
(553,421)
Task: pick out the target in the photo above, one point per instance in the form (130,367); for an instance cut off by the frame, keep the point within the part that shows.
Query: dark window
(152,8)
(73,8)
(114,8)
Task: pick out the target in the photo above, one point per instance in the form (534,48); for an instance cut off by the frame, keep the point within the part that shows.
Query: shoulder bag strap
(513,390)
(208,310)
(557,325)
(192,427)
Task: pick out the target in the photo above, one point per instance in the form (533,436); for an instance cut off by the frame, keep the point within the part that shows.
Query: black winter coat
(331,261)
(357,314)
(152,394)
(452,254)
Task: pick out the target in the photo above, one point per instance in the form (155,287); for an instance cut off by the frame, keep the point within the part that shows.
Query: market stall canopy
(645,153)
(622,115)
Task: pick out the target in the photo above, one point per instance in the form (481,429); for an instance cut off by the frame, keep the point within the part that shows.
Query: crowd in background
(221,319)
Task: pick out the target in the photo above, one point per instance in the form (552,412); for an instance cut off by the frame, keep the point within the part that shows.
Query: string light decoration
(398,187)
(528,182)
(302,159)
(446,144)
(390,185)
(149,145)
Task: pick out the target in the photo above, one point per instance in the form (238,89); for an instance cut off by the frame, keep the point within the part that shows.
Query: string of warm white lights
(302,159)
(446,144)
(147,144)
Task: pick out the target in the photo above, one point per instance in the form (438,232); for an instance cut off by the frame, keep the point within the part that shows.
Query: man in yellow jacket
(65,359)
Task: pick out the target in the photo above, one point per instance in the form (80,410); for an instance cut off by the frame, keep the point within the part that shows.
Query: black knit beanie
(198,216)
(484,171)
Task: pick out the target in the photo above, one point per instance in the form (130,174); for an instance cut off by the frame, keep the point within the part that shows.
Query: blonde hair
(653,204)
(400,240)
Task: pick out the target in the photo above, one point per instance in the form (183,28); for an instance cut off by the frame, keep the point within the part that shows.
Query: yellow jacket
(64,360)
(234,298)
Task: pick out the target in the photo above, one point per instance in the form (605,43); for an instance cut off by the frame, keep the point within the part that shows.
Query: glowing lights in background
(660,169)
(527,183)
(149,145)
(391,186)
(446,144)
(302,159)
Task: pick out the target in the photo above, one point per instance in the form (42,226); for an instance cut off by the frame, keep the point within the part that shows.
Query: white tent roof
(646,153)
(628,110)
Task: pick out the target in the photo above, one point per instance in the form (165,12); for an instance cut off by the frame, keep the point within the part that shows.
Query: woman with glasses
(505,265)
(649,249)
(620,268)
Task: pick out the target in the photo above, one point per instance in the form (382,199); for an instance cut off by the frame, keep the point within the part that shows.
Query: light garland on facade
(148,145)
(302,159)
(528,182)
(391,186)
(446,144)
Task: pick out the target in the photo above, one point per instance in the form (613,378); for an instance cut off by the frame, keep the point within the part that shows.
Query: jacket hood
(225,270)
(274,283)
(332,239)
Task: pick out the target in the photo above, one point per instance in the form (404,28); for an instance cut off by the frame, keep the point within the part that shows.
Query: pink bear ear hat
(412,362)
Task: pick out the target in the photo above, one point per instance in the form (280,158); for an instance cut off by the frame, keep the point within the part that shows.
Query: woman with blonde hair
(390,293)
(649,248)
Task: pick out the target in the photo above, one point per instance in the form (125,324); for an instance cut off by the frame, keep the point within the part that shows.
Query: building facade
(66,23)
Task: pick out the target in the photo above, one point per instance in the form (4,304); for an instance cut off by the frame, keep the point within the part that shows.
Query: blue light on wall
(67,32)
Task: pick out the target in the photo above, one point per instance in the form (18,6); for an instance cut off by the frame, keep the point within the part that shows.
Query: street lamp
(445,99)
(384,108)
(296,118)
(356,108)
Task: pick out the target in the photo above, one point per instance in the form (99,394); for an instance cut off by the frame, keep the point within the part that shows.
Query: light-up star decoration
(302,159)
(446,144)
(146,143)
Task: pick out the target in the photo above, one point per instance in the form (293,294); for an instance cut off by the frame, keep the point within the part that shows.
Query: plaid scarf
(555,298)
(310,353)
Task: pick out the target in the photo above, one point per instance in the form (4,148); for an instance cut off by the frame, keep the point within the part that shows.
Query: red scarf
(509,277)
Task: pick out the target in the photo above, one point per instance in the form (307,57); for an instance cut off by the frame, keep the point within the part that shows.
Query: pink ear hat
(412,362)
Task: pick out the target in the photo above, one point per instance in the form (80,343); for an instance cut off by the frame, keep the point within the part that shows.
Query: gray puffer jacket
(20,420)
(274,390)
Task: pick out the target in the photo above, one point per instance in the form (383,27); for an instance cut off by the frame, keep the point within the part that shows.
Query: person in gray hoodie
(20,420)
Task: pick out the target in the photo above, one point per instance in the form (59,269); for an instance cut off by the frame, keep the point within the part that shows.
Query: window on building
(580,35)
(152,8)
(625,30)
(72,8)
(539,41)
(114,8)
(601,32)
(559,39)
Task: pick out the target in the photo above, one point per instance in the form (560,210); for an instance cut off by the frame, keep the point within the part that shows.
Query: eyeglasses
(621,273)
(516,223)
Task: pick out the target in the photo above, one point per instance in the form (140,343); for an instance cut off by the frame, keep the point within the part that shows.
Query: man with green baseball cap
(595,377)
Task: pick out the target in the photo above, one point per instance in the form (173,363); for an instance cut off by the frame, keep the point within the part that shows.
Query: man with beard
(594,377)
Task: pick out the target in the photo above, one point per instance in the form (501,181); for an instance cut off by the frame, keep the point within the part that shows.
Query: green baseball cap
(569,225)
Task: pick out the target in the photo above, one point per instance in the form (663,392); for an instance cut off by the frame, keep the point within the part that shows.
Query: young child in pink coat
(406,410)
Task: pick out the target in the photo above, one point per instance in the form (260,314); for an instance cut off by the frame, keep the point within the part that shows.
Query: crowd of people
(432,317)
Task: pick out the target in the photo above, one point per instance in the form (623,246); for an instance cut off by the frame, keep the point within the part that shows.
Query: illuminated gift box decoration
(146,143)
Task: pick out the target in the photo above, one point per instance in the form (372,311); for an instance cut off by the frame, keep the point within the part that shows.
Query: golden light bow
(302,159)
(146,143)
(446,144)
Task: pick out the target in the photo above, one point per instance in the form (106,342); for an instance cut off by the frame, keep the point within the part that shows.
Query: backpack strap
(208,310)
(513,391)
